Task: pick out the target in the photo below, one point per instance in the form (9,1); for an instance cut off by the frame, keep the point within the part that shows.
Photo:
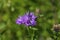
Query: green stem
(28,30)
(56,36)
(32,36)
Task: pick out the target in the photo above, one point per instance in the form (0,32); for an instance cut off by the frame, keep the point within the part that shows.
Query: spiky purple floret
(27,19)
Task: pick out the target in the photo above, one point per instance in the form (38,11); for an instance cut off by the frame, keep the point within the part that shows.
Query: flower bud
(56,27)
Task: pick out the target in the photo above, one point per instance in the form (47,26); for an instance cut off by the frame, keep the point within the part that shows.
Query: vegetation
(48,20)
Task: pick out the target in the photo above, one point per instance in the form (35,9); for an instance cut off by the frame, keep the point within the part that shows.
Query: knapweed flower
(27,19)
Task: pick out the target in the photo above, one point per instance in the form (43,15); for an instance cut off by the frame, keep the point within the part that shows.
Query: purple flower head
(27,19)
(19,20)
(31,15)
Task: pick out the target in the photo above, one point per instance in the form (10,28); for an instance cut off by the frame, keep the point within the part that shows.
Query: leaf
(5,17)
(2,27)
(33,28)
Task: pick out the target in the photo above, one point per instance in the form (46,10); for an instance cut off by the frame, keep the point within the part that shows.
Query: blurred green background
(48,15)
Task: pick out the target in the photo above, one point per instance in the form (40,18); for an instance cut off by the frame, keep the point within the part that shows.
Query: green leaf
(33,28)
(2,26)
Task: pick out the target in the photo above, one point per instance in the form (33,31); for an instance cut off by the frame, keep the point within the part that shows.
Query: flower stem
(56,36)
(32,36)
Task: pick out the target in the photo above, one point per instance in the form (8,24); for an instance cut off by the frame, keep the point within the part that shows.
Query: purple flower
(19,20)
(27,19)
